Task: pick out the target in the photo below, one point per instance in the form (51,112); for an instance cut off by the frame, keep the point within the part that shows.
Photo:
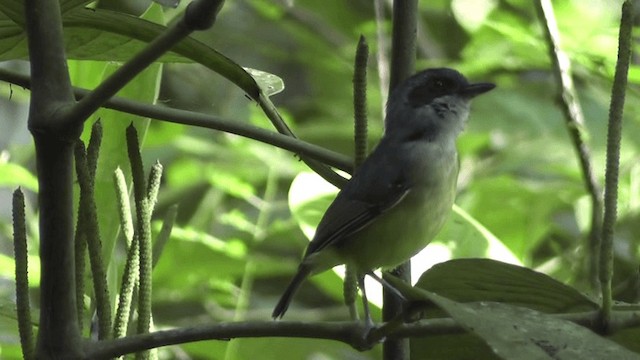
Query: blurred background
(242,226)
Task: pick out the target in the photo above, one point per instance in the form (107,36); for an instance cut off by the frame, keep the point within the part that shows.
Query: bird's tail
(285,299)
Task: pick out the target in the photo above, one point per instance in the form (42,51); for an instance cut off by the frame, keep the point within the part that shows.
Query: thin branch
(321,169)
(352,333)
(184,117)
(403,57)
(199,15)
(575,125)
(382,57)
(614,133)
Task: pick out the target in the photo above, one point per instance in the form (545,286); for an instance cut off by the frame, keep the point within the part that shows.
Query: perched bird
(401,195)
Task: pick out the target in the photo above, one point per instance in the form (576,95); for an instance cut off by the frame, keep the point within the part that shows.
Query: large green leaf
(519,333)
(94,34)
(472,280)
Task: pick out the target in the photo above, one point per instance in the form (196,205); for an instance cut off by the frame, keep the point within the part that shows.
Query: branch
(199,15)
(54,135)
(575,125)
(206,121)
(321,169)
(48,63)
(351,333)
(403,58)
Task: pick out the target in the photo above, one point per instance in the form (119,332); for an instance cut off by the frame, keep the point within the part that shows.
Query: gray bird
(401,196)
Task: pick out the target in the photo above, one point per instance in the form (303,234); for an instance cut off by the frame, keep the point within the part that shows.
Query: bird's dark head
(428,85)
(438,98)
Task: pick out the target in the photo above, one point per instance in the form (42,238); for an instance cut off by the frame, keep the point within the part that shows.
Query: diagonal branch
(199,15)
(207,121)
(575,125)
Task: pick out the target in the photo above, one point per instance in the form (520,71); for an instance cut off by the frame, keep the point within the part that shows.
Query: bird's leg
(365,303)
(351,291)
(387,286)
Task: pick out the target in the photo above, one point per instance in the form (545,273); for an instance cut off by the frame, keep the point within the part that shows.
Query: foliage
(246,208)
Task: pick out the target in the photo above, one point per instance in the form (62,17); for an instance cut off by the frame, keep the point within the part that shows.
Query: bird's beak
(473,90)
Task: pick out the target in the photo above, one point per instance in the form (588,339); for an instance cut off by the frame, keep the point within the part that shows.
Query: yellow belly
(401,232)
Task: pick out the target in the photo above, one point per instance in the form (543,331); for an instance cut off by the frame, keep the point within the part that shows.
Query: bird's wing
(378,186)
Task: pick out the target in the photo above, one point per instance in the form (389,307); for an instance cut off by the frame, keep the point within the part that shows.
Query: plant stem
(403,56)
(614,134)
(25,326)
(574,117)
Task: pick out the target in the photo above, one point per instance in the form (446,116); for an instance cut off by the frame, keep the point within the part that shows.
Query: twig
(575,125)
(206,121)
(199,15)
(382,57)
(351,333)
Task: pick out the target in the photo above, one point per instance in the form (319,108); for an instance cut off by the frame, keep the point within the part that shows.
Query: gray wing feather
(379,185)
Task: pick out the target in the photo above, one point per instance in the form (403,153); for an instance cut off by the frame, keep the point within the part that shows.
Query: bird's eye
(433,88)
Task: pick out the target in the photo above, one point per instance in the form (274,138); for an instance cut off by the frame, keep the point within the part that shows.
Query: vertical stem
(403,54)
(59,334)
(614,133)
(403,41)
(574,118)
(54,136)
(90,229)
(360,101)
(361,150)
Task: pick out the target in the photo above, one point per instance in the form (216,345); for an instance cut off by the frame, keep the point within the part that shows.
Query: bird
(401,195)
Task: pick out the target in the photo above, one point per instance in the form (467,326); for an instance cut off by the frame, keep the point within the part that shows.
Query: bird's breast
(405,229)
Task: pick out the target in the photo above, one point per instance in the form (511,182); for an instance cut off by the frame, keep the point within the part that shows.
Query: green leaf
(13,175)
(471,280)
(520,333)
(94,34)
(465,236)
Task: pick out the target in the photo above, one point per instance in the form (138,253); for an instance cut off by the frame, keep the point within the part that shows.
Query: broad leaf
(471,280)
